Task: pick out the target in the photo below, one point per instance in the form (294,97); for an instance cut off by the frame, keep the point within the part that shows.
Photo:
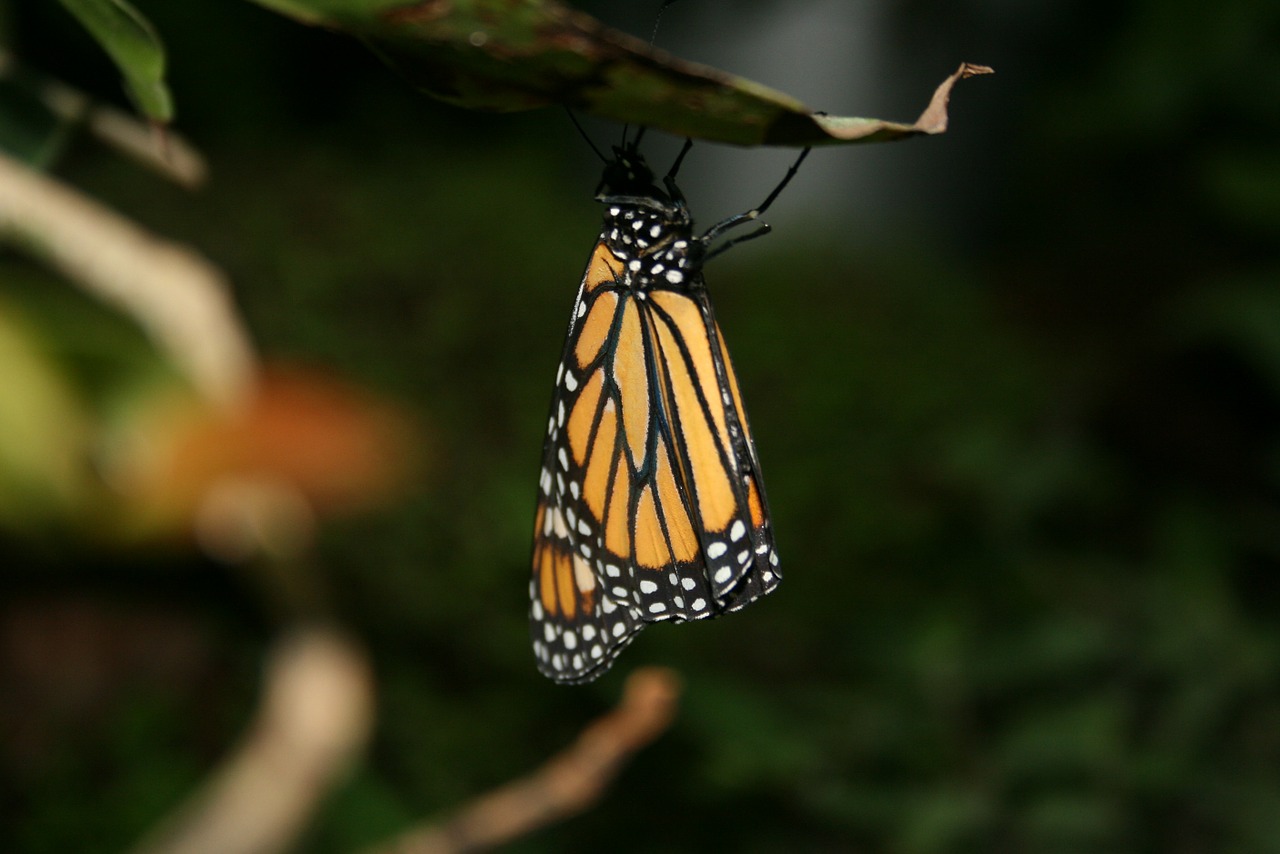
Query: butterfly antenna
(583,133)
(675,167)
(653,37)
(658,19)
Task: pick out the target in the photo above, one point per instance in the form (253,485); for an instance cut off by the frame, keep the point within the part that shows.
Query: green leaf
(507,55)
(132,43)
(43,433)
(29,131)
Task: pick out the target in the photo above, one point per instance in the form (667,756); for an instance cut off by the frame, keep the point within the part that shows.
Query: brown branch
(181,300)
(315,717)
(567,784)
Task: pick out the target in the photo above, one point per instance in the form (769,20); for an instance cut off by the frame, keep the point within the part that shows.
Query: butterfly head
(628,175)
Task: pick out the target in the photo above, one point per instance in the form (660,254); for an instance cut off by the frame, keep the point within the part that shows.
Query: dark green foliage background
(1024,470)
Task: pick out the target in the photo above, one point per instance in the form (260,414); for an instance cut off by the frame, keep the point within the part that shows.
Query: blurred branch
(181,300)
(567,784)
(160,150)
(315,717)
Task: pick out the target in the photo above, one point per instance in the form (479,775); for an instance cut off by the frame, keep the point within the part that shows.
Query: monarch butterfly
(651,505)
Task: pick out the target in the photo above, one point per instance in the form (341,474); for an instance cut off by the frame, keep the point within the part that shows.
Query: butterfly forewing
(578,624)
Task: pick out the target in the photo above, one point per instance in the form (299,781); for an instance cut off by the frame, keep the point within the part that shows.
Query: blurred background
(1015,390)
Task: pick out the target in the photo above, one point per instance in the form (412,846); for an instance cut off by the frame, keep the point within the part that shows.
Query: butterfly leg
(750,216)
(670,178)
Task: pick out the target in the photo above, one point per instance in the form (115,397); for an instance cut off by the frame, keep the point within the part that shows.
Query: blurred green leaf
(43,433)
(947,819)
(1083,737)
(135,48)
(1073,822)
(1245,186)
(29,130)
(756,742)
(520,54)
(1243,311)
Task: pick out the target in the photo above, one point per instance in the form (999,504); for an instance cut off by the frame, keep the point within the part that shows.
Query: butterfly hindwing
(716,451)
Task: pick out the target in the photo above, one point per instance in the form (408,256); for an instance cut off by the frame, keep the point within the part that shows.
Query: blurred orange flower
(302,445)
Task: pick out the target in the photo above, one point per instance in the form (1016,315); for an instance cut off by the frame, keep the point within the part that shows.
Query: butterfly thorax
(654,241)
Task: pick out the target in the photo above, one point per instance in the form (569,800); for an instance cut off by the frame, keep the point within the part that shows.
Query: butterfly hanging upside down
(650,505)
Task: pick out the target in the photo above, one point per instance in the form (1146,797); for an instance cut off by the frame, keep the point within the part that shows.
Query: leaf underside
(507,55)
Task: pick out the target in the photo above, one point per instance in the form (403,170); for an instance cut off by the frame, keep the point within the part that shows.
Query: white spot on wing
(582,574)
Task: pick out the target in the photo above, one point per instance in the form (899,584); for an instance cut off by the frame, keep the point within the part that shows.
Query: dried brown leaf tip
(932,121)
